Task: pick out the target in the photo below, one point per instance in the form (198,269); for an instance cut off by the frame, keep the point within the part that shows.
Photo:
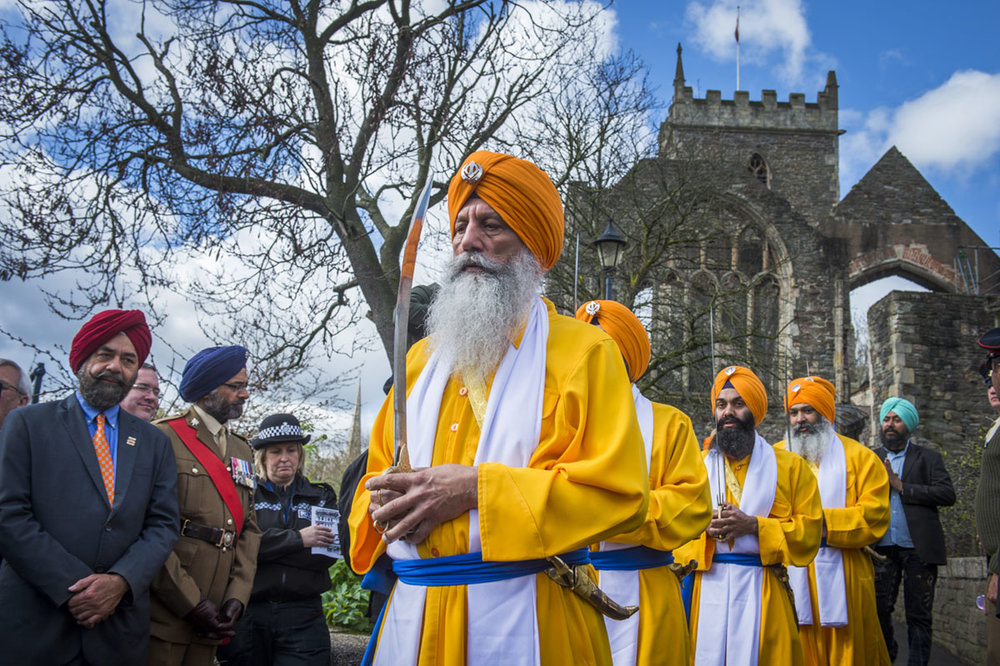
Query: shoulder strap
(216,469)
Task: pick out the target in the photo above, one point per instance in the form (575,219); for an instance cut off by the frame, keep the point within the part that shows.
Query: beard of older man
(809,440)
(736,443)
(221,408)
(477,312)
(104,390)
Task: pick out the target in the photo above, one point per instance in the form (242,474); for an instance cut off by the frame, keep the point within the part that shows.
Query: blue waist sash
(469,568)
(466,569)
(741,559)
(630,559)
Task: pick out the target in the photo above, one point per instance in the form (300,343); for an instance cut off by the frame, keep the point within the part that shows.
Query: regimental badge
(194,422)
(731,369)
(130,441)
(242,472)
(471,173)
(592,308)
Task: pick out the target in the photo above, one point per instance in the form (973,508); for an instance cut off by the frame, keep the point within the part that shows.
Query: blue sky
(924,76)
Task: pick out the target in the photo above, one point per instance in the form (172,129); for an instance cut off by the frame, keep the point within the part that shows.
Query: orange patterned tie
(104,459)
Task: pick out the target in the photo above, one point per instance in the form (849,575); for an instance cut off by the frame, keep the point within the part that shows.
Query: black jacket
(926,486)
(286,570)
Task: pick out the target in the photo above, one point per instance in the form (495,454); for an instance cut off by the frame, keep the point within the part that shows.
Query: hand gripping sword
(400,319)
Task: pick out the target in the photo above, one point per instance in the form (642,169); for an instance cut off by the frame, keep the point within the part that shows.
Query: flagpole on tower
(737,34)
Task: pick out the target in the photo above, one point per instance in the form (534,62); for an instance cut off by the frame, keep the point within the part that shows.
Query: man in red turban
(835,595)
(517,418)
(634,567)
(768,517)
(88,509)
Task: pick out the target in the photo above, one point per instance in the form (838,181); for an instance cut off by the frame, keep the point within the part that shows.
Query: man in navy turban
(205,584)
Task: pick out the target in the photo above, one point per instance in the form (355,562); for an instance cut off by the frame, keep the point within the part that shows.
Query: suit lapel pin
(130,441)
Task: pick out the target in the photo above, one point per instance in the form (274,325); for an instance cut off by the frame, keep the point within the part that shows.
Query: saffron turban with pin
(904,409)
(209,369)
(747,384)
(624,328)
(105,325)
(520,192)
(815,391)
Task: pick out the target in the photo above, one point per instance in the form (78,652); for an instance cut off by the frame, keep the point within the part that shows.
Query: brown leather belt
(218,537)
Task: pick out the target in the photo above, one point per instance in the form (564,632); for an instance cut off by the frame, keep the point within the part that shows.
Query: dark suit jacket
(926,486)
(56,527)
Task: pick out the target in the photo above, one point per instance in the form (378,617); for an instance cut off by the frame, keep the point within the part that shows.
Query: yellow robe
(789,535)
(680,509)
(862,521)
(585,482)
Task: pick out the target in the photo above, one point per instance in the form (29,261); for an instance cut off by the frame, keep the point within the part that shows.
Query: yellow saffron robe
(680,509)
(862,521)
(790,534)
(585,482)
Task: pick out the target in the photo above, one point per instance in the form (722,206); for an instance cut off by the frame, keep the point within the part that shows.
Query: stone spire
(354,442)
(679,74)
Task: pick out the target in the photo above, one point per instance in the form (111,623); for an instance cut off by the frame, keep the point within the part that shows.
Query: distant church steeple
(679,75)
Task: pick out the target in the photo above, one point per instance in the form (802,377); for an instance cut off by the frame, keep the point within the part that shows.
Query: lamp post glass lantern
(610,248)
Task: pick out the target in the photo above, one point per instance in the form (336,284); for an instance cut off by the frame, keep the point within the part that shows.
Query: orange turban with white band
(747,384)
(624,328)
(814,391)
(520,192)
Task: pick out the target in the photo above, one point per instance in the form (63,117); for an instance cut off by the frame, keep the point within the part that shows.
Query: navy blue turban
(209,369)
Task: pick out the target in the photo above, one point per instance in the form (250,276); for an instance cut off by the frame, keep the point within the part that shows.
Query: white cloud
(767,27)
(952,129)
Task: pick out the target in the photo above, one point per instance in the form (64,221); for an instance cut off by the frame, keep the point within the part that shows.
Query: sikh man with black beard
(835,595)
(768,517)
(88,510)
(205,584)
(523,436)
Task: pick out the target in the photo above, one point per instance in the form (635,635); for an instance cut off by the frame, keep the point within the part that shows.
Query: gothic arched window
(758,167)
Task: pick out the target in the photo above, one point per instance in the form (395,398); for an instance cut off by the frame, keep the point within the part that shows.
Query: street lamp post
(610,248)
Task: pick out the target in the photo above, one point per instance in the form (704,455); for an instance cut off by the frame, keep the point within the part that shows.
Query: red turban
(747,384)
(105,325)
(625,328)
(814,391)
(520,192)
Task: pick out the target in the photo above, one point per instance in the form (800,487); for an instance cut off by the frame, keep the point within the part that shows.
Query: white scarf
(831,586)
(623,586)
(730,598)
(502,627)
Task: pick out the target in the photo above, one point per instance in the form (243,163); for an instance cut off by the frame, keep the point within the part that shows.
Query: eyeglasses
(143,388)
(4,386)
(236,387)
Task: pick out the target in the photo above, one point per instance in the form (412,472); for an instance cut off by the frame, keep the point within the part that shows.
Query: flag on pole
(737,33)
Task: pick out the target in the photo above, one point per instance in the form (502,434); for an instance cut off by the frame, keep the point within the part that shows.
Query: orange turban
(747,384)
(814,391)
(626,330)
(520,192)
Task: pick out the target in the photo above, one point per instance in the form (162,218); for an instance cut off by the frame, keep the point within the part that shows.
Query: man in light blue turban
(914,545)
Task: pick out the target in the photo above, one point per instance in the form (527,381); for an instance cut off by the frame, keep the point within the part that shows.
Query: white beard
(475,314)
(811,445)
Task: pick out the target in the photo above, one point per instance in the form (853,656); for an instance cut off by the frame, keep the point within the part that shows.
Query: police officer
(284,623)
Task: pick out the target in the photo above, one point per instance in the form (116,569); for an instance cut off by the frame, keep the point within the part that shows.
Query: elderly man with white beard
(524,440)
(835,595)
(768,517)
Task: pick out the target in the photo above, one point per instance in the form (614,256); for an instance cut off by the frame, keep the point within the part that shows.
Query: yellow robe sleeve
(791,534)
(865,517)
(680,506)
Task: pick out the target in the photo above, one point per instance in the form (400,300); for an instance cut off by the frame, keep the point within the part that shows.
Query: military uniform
(198,569)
